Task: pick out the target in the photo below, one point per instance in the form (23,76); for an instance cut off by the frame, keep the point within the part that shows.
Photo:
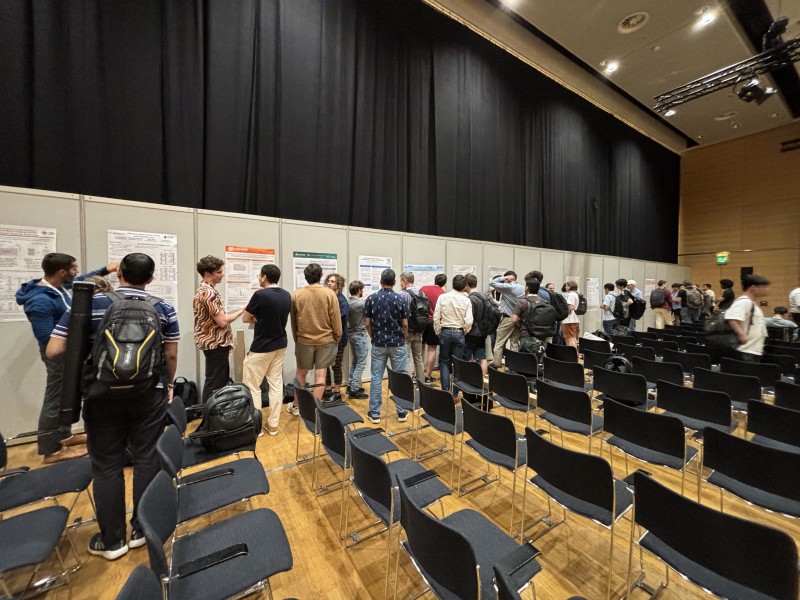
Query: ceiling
(670,48)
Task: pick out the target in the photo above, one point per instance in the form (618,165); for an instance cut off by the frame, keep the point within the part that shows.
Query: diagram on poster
(464,270)
(21,251)
(161,247)
(300,260)
(593,292)
(242,267)
(369,272)
(424,274)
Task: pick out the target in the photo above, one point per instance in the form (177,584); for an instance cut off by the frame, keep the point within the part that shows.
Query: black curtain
(375,113)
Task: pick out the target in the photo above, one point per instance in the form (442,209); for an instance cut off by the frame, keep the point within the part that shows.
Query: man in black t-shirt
(269,309)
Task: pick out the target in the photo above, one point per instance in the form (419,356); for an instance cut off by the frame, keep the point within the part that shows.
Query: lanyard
(60,293)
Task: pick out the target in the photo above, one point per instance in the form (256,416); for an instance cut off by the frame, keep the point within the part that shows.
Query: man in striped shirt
(137,422)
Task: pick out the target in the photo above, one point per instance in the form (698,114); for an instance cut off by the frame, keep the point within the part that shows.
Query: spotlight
(753,90)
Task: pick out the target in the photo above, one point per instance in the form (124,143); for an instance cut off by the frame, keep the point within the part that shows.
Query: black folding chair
(700,349)
(468,378)
(740,388)
(445,417)
(681,339)
(307,406)
(141,585)
(705,547)
(787,395)
(766,373)
(659,345)
(522,363)
(569,410)
(568,375)
(564,353)
(650,334)
(757,474)
(602,346)
(405,397)
(472,545)
(627,388)
(687,360)
(653,371)
(631,352)
(592,359)
(580,483)
(494,439)
(648,436)
(786,363)
(792,350)
(774,426)
(511,391)
(627,340)
(232,557)
(696,408)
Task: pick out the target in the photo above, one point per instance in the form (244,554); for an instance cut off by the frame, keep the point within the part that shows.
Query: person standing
(474,342)
(358,339)
(386,318)
(625,299)
(511,292)
(709,300)
(746,319)
(136,421)
(45,301)
(429,337)
(570,325)
(269,309)
(452,320)
(794,304)
(212,325)
(661,303)
(409,292)
(691,303)
(335,282)
(677,303)
(727,297)
(609,320)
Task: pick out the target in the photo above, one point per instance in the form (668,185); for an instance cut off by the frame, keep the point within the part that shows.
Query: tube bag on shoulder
(230,420)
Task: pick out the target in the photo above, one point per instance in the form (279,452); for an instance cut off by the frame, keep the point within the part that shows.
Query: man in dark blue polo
(386,318)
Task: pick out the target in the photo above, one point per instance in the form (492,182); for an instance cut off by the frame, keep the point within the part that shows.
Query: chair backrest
(467,371)
(623,339)
(781,334)
(653,371)
(170,451)
(565,353)
(698,349)
(430,539)
(401,385)
(306,404)
(704,405)
(651,334)
(774,422)
(496,432)
(568,373)
(767,373)
(437,403)
(3,452)
(632,352)
(740,388)
(523,363)
(158,516)
(510,386)
(787,395)
(766,563)
(176,411)
(681,339)
(568,404)
(671,328)
(506,590)
(370,474)
(332,432)
(659,345)
(628,388)
(592,358)
(584,476)
(141,585)
(657,432)
(786,363)
(790,349)
(593,345)
(689,361)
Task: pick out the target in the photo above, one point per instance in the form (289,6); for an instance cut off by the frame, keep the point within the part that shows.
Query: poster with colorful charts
(300,260)
(242,267)
(424,274)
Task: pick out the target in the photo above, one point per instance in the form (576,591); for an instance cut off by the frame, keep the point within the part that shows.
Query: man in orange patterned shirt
(212,325)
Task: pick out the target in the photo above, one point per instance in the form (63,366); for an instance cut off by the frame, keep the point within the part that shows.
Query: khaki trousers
(506,332)
(258,365)
(662,316)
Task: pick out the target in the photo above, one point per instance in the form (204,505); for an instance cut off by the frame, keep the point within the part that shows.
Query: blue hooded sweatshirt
(44,306)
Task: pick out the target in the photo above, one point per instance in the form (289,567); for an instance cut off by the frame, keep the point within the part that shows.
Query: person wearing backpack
(418,309)
(570,326)
(115,416)
(486,318)
(511,292)
(609,304)
(691,303)
(452,319)
(622,303)
(746,320)
(429,337)
(536,319)
(661,303)
(638,305)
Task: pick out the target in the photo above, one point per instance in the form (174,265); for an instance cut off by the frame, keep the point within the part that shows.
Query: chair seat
(765,441)
(468,388)
(752,494)
(202,498)
(376,444)
(587,509)
(444,426)
(345,414)
(262,560)
(195,454)
(587,387)
(699,424)
(573,426)
(652,456)
(404,404)
(716,584)
(510,404)
(498,458)
(647,405)
(29,538)
(61,478)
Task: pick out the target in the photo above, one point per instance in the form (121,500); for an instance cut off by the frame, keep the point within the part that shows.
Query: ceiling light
(705,16)
(670,112)
(753,90)
(609,66)
(510,3)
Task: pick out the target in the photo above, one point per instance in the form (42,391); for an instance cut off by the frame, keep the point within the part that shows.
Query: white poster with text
(22,249)
(161,247)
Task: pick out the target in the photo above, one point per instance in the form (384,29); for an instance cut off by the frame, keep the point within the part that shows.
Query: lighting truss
(774,58)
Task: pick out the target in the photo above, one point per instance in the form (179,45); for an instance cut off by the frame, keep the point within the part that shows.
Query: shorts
(475,349)
(570,330)
(676,312)
(429,336)
(315,357)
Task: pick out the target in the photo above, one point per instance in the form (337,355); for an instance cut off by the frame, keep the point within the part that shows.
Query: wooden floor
(574,555)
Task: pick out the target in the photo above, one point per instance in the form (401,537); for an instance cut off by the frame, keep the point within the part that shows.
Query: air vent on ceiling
(633,22)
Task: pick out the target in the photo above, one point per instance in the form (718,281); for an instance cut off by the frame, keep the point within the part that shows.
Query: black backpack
(620,307)
(127,356)
(618,364)
(636,310)
(487,318)
(558,302)
(658,297)
(540,319)
(420,308)
(582,305)
(187,390)
(230,420)
(694,299)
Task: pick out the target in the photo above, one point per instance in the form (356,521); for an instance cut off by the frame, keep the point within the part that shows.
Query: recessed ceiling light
(609,66)
(510,3)
(700,137)
(670,112)
(735,125)
(633,22)
(773,115)
(705,16)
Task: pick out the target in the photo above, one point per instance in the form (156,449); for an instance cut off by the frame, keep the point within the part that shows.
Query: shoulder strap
(113,296)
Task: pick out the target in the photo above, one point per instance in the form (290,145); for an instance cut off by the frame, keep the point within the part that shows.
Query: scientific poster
(369,272)
(300,260)
(161,247)
(497,271)
(21,251)
(424,274)
(593,292)
(649,286)
(464,270)
(242,267)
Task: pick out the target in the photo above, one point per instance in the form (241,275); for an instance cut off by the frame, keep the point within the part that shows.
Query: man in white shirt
(794,304)
(746,319)
(609,320)
(569,326)
(452,320)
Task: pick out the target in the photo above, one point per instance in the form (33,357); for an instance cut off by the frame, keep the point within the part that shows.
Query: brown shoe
(65,454)
(74,440)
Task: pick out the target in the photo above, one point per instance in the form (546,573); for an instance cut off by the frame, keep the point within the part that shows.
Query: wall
(743,197)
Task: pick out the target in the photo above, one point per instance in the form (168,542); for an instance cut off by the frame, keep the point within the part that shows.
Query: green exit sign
(722,259)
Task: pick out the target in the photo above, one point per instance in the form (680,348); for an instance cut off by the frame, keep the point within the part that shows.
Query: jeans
(608,325)
(451,344)
(218,370)
(380,356)
(414,343)
(359,350)
(110,424)
(50,432)
(690,315)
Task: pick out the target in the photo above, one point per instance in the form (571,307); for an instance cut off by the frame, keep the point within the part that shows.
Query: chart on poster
(465,270)
(424,274)
(21,251)
(161,247)
(242,267)
(300,260)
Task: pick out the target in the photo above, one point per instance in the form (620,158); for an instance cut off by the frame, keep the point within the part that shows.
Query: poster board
(462,254)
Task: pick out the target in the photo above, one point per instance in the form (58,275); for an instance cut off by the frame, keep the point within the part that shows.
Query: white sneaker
(292,410)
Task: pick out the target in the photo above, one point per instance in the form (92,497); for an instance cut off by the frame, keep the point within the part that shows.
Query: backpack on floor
(582,307)
(187,390)
(558,302)
(230,419)
(618,364)
(420,308)
(540,319)
(488,318)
